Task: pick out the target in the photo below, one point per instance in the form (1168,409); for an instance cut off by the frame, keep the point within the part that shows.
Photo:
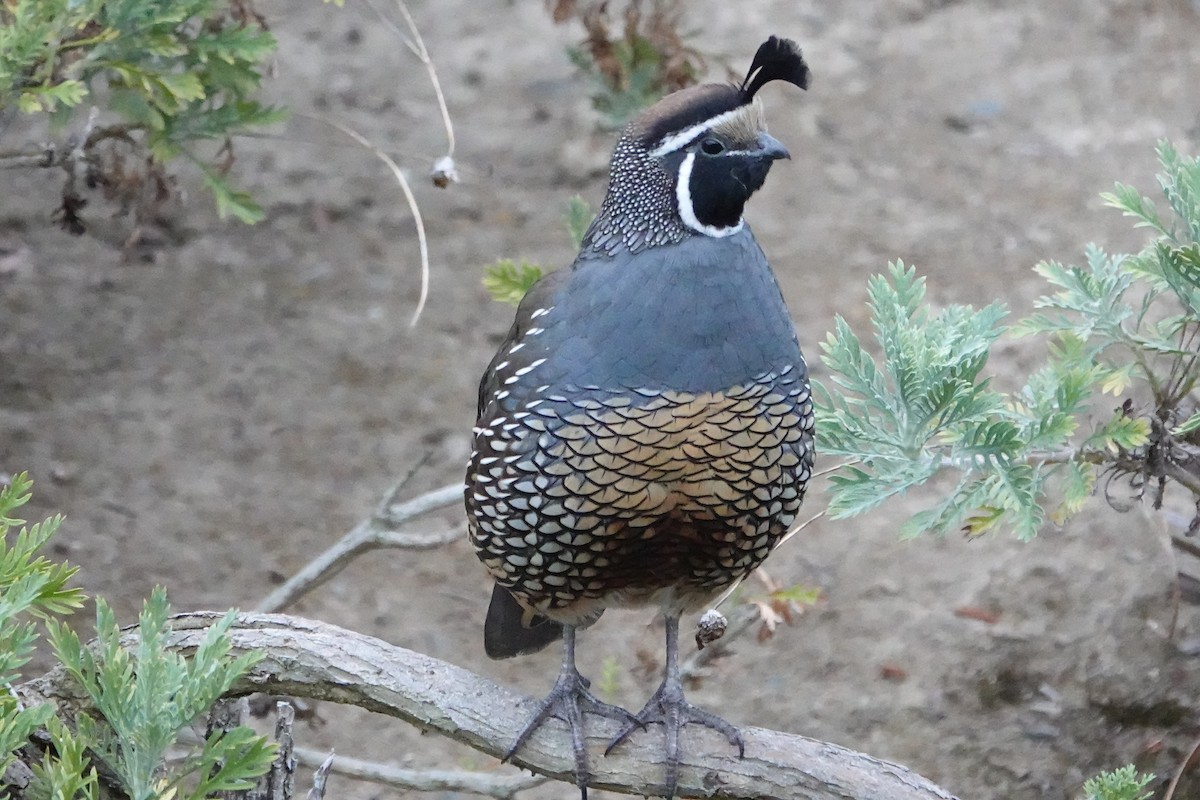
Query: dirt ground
(214,413)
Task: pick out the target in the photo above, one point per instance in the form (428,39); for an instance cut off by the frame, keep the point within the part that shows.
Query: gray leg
(569,700)
(668,707)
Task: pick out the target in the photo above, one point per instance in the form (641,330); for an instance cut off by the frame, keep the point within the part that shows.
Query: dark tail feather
(506,635)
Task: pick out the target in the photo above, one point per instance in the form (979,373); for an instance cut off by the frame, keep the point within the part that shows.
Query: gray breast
(701,315)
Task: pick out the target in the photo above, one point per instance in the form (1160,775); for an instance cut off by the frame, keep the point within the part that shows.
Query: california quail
(645,430)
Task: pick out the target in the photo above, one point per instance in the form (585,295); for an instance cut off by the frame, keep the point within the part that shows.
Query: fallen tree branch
(310,659)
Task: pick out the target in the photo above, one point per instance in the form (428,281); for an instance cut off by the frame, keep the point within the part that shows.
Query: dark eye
(712,147)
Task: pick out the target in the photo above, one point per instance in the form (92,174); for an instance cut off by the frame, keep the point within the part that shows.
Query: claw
(668,708)
(569,700)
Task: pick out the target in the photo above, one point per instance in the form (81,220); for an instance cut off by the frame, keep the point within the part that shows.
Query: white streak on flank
(526,370)
(677,140)
(683,194)
(535,331)
(515,347)
(539,312)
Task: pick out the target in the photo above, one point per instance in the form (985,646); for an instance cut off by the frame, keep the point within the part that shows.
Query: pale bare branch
(310,659)
(1183,765)
(317,792)
(444,170)
(797,528)
(501,785)
(372,533)
(417,45)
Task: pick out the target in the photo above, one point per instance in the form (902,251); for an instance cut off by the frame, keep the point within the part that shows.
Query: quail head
(645,432)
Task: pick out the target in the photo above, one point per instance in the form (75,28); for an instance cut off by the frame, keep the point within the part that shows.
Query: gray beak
(772,148)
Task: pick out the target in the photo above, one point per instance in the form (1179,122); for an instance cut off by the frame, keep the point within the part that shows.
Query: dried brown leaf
(984,615)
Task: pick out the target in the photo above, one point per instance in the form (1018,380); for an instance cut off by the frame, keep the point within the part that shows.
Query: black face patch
(720,186)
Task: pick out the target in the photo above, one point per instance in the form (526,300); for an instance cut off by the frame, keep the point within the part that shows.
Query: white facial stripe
(683,195)
(677,140)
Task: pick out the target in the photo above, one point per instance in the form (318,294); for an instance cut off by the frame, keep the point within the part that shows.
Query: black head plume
(776,60)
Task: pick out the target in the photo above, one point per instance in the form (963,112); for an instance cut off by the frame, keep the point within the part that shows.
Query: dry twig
(280,780)
(416,44)
(1183,765)
(501,785)
(377,531)
(409,197)
(317,792)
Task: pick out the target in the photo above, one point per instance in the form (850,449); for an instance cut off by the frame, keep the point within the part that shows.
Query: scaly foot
(569,700)
(668,707)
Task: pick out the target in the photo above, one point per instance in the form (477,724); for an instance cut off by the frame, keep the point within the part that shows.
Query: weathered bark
(311,659)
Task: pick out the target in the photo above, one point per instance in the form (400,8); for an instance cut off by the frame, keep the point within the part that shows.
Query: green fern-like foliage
(174,73)
(146,694)
(640,85)
(916,403)
(1119,784)
(142,697)
(507,281)
(920,408)
(31,588)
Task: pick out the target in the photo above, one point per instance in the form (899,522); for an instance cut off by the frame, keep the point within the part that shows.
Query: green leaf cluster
(1130,324)
(141,698)
(507,281)
(145,696)
(1126,325)
(31,589)
(1137,314)
(69,773)
(922,406)
(177,71)
(1119,784)
(799,593)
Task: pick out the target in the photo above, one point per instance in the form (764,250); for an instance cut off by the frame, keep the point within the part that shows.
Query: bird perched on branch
(645,431)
